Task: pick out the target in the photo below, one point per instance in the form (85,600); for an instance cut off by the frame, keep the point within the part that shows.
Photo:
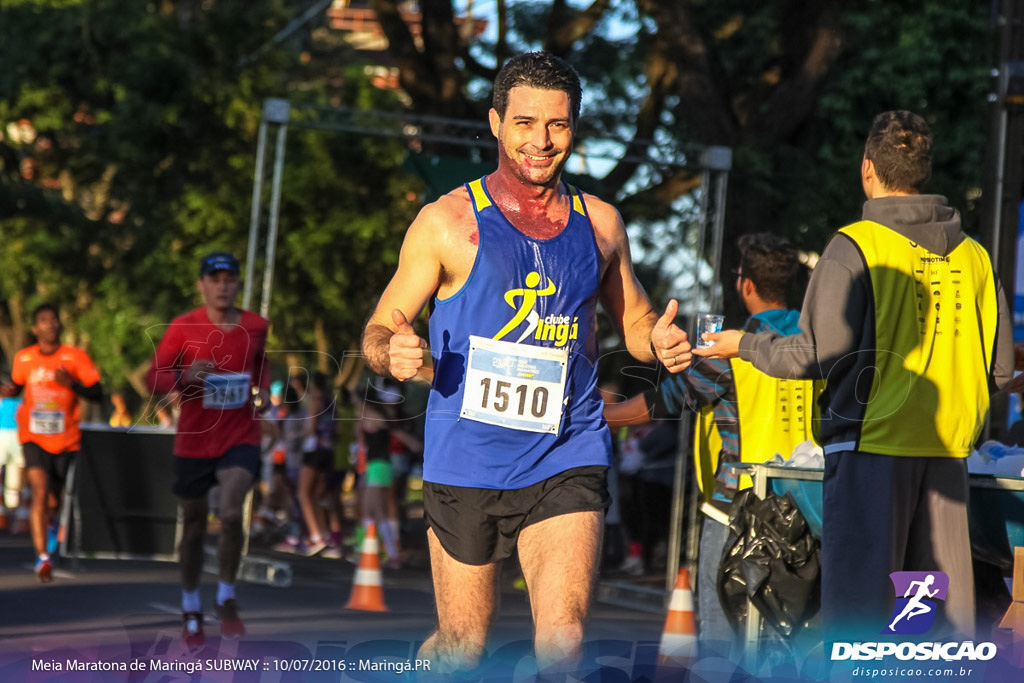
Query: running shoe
(192,630)
(231,625)
(333,552)
(44,570)
(633,565)
(314,547)
(290,545)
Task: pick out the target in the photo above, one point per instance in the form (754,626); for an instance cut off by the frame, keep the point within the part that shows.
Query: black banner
(124,506)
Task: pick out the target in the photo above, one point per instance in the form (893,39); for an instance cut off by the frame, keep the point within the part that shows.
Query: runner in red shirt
(53,376)
(215,357)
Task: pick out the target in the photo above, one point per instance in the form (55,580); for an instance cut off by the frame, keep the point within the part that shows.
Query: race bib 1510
(517,386)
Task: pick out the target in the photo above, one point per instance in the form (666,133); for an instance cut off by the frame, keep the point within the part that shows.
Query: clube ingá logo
(918,595)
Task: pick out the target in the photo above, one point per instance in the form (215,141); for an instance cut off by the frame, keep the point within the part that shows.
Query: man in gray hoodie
(906,321)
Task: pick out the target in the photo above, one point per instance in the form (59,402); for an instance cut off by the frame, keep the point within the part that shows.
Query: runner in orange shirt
(53,377)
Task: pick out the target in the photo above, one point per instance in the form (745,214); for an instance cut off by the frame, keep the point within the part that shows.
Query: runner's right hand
(198,371)
(405,350)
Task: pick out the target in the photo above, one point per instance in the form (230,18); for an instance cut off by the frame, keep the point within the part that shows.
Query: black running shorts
(321,460)
(479,526)
(55,465)
(194,477)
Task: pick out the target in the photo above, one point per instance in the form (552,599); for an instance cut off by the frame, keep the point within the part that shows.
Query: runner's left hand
(669,343)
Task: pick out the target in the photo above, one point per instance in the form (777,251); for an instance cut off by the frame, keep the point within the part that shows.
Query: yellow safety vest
(775,415)
(935,329)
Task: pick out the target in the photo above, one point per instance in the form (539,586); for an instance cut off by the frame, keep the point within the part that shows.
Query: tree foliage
(130,151)
(790,85)
(129,136)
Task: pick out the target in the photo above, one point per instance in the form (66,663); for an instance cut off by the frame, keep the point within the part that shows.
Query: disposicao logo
(917,600)
(918,595)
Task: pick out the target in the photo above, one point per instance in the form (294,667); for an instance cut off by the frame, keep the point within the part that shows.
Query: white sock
(190,601)
(225,592)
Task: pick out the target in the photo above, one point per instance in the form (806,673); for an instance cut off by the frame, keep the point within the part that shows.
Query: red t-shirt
(49,415)
(219,413)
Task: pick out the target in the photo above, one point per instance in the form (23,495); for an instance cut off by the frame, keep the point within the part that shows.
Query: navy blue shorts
(194,477)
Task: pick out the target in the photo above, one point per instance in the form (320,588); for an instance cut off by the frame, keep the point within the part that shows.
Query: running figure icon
(915,606)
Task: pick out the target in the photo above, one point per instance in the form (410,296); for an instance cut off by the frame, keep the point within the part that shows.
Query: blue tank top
(526,291)
(8,411)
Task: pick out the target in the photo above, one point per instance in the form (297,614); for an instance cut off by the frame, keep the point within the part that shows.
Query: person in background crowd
(316,461)
(12,460)
(120,417)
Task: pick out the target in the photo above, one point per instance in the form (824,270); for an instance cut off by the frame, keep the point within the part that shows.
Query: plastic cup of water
(707,322)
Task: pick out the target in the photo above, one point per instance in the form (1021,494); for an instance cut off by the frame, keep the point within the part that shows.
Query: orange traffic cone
(678,648)
(367,588)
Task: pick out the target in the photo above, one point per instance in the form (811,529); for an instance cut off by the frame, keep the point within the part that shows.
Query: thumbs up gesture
(405,350)
(669,343)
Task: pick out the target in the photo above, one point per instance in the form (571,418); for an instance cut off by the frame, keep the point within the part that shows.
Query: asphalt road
(122,617)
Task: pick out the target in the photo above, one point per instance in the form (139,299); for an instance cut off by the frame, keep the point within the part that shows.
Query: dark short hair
(537,70)
(900,147)
(770,262)
(46,306)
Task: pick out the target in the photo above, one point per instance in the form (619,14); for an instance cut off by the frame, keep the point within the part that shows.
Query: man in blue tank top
(516,449)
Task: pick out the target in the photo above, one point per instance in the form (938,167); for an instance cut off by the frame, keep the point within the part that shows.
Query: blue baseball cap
(218,260)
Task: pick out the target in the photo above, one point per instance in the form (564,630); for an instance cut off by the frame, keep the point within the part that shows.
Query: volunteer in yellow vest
(743,415)
(906,320)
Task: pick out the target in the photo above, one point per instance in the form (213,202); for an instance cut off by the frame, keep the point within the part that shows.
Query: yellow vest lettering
(935,328)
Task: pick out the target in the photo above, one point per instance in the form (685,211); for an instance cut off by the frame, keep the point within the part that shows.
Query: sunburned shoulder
(602,213)
(449,217)
(609,230)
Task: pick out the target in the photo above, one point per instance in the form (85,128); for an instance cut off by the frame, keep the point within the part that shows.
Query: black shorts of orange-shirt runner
(479,526)
(55,465)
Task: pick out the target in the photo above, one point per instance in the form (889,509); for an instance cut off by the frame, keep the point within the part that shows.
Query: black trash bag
(772,558)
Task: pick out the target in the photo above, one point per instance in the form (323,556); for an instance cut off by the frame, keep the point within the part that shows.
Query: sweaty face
(219,289)
(46,327)
(535,137)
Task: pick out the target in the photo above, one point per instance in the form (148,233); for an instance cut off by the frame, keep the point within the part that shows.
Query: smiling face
(219,290)
(535,137)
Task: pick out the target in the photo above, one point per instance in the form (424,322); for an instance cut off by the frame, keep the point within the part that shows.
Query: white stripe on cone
(367,577)
(371,546)
(677,645)
(682,601)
